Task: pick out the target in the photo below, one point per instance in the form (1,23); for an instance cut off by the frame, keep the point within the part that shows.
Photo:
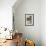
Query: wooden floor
(9,43)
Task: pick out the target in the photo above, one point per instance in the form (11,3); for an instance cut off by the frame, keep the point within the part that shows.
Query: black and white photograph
(29,19)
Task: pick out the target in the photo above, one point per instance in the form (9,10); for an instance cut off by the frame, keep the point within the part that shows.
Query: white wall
(43,22)
(30,32)
(6,13)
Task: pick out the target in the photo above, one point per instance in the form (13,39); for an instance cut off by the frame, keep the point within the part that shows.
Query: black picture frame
(29,19)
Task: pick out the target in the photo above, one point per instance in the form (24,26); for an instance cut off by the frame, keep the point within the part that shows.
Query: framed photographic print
(29,19)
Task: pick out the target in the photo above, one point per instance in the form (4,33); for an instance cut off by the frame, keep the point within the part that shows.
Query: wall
(6,13)
(43,22)
(29,32)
